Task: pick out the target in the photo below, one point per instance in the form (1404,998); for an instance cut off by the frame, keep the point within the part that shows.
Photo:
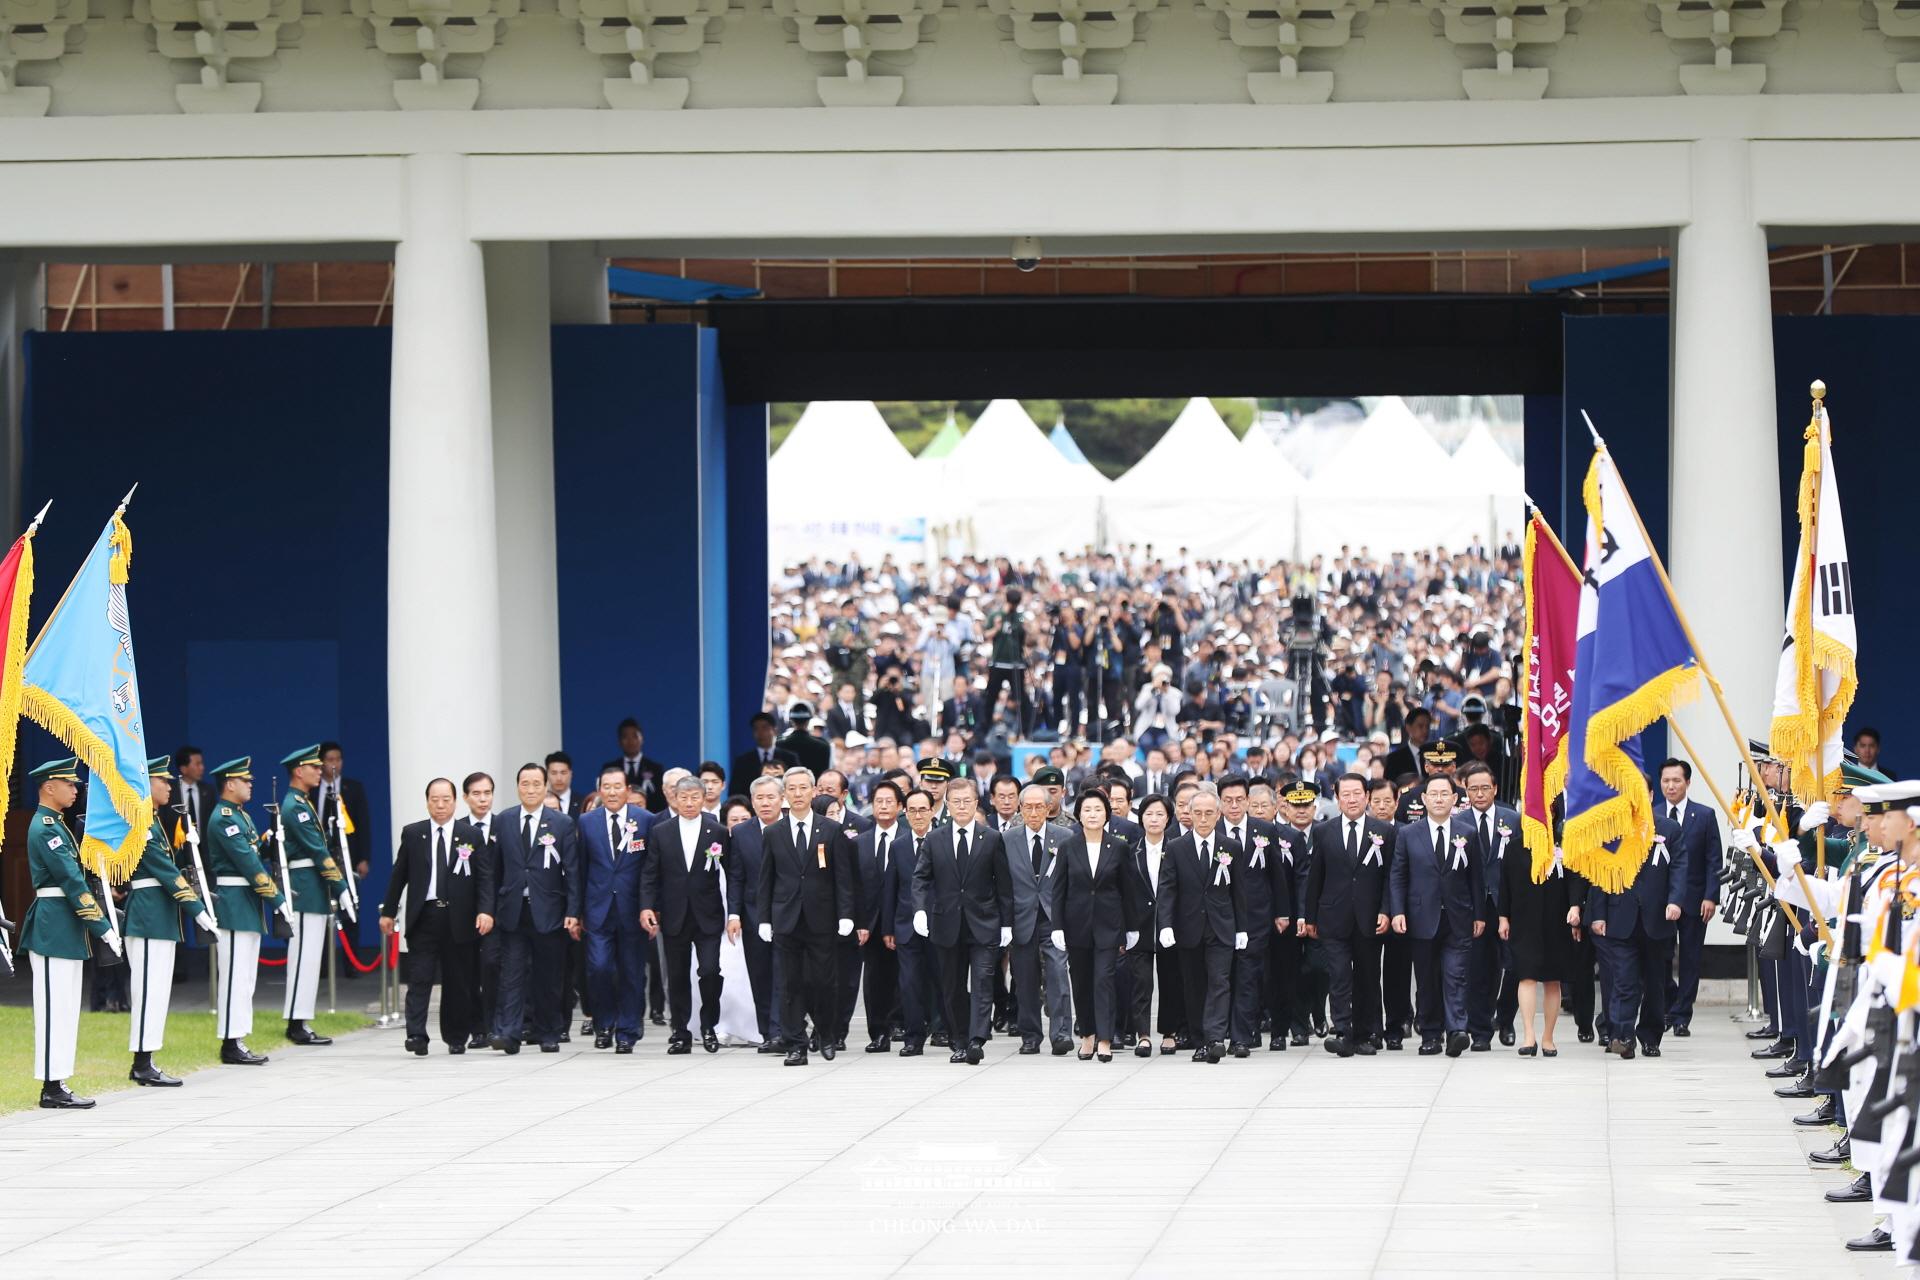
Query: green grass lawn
(102,1060)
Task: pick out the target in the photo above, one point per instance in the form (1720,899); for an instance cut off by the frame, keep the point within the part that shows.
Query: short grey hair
(1033,791)
(772,784)
(798,771)
(687,782)
(671,778)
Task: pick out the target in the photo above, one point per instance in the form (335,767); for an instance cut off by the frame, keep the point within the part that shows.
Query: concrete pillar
(518,338)
(579,283)
(1725,553)
(443,584)
(22,298)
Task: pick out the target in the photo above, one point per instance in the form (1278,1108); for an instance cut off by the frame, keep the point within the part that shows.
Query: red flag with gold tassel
(1552,601)
(16,594)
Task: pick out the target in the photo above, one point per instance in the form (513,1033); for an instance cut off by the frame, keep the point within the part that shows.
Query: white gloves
(112,938)
(1239,942)
(1006,937)
(766,932)
(1059,939)
(205,921)
(346,905)
(1166,937)
(1816,815)
(1743,840)
(846,926)
(1133,939)
(920,923)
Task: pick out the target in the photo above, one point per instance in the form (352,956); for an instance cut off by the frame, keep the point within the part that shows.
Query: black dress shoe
(1200,1054)
(677,1046)
(234,1053)
(1650,1050)
(709,1041)
(1801,1088)
(1482,1046)
(300,1033)
(999,1022)
(1791,1067)
(478,1041)
(1299,1039)
(1457,1042)
(566,1037)
(1821,1115)
(1507,1038)
(797,1056)
(975,1053)
(911,1050)
(623,1045)
(603,1039)
(1337,1046)
(1875,1241)
(1365,1048)
(658,1019)
(418,1046)
(1586,1035)
(586,1027)
(1855,1192)
(839,1044)
(1763,1033)
(958,1055)
(1622,1047)
(1061,1048)
(1277,1044)
(1396,1043)
(827,1049)
(1029,1046)
(1778,1049)
(145,1073)
(55,1096)
(770,1046)
(459,1047)
(1429,1047)
(1213,1051)
(1144,1049)
(1239,1050)
(883,1044)
(1839,1153)
(1680,1029)
(549,1046)
(940,1040)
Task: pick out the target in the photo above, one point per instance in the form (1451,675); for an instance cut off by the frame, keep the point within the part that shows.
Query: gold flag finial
(1819,390)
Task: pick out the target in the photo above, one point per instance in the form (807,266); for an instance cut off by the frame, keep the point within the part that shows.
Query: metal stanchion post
(1753,986)
(333,945)
(213,976)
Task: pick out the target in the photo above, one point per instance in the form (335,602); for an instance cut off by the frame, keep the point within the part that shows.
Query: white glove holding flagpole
(206,921)
(112,939)
(1815,815)
(206,885)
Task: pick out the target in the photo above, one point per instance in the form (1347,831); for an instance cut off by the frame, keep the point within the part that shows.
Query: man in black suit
(915,956)
(194,797)
(1266,889)
(1700,837)
(1498,829)
(1156,779)
(846,715)
(748,848)
(1435,896)
(336,791)
(806,900)
(1346,909)
(538,910)
(813,754)
(879,845)
(477,826)
(561,793)
(1406,758)
(832,784)
(449,880)
(1201,910)
(644,773)
(680,894)
(751,764)
(1633,933)
(962,904)
(964,713)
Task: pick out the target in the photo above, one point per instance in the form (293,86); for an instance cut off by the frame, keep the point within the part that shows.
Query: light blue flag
(79,685)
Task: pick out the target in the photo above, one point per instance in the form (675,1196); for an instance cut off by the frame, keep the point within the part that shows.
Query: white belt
(299,864)
(233,882)
(147,883)
(54,892)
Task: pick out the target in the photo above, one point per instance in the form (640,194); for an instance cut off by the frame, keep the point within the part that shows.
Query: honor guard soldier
(240,885)
(316,884)
(156,896)
(63,912)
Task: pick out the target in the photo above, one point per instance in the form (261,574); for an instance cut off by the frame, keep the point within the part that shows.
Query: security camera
(1026,252)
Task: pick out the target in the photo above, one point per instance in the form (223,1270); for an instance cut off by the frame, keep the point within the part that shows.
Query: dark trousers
(681,948)
(1353,981)
(847,966)
(966,989)
(656,983)
(870,967)
(486,982)
(1508,1007)
(1069,700)
(1023,973)
(1800,967)
(1483,984)
(1206,979)
(1440,966)
(1285,1005)
(1310,986)
(1636,970)
(1791,981)
(1091,973)
(1016,677)
(915,955)
(616,969)
(574,982)
(1148,968)
(433,956)
(1578,987)
(1770,994)
(532,966)
(1685,988)
(766,1009)
(1396,980)
(1250,985)
(807,967)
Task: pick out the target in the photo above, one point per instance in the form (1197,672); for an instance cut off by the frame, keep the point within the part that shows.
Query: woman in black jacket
(1096,915)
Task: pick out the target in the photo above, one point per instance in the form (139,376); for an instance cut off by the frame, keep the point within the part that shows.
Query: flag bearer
(156,895)
(316,883)
(240,885)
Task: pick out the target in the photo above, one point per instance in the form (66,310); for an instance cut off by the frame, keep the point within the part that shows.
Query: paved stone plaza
(361,1161)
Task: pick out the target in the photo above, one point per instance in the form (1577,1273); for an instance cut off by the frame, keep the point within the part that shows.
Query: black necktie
(800,837)
(1486,834)
(1353,839)
(613,834)
(440,856)
(1205,856)
(885,840)
(526,832)
(960,855)
(1673,812)
(1039,853)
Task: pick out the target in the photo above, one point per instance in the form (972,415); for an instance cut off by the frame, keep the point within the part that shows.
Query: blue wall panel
(747,624)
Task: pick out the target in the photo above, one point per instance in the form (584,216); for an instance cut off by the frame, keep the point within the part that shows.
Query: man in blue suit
(539,904)
(1437,896)
(1700,837)
(1498,830)
(613,849)
(763,968)
(1633,932)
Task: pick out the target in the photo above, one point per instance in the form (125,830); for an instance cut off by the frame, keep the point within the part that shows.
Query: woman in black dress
(1537,925)
(1096,915)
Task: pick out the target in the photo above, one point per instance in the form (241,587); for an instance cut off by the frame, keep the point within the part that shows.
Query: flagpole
(1720,799)
(1719,696)
(1819,761)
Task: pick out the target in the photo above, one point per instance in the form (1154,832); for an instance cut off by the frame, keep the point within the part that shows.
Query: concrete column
(579,283)
(1725,554)
(519,340)
(22,297)
(443,582)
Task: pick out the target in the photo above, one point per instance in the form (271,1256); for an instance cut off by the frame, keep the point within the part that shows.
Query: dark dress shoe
(1763,1033)
(711,1042)
(1277,1044)
(1337,1046)
(1875,1241)
(1213,1052)
(418,1046)
(1586,1035)
(549,1046)
(1507,1038)
(1365,1048)
(797,1056)
(1650,1050)
(234,1053)
(586,1027)
(975,1053)
(769,1046)
(623,1045)
(1029,1046)
(300,1033)
(1680,1030)
(1819,1116)
(1791,1067)
(1482,1046)
(940,1040)
(145,1073)
(1457,1042)
(883,1044)
(999,1022)
(827,1050)
(958,1055)
(1184,1042)
(1801,1088)
(566,1037)
(1396,1043)
(1429,1047)
(911,1050)
(1200,1054)
(1839,1153)
(1143,1050)
(603,1039)
(658,1019)
(677,1046)
(1061,1048)
(500,1043)
(1105,1057)
(460,1047)
(479,1041)
(1855,1192)
(1527,1050)
(55,1096)
(1299,1039)
(1622,1047)
(1778,1049)
(839,1044)
(1239,1050)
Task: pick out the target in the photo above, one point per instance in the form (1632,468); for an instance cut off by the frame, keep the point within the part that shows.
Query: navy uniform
(1634,934)
(156,896)
(240,885)
(315,883)
(63,912)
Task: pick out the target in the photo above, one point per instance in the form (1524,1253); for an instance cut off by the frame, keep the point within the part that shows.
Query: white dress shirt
(439,838)
(689,839)
(1154,852)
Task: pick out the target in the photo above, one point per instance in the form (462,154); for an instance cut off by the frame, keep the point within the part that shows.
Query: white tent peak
(849,430)
(1392,453)
(1482,466)
(1266,465)
(1197,454)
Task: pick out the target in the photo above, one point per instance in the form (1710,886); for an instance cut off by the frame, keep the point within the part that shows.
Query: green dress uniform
(230,847)
(315,884)
(62,914)
(156,896)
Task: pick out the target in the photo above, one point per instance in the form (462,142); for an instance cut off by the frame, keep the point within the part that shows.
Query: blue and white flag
(79,685)
(1632,664)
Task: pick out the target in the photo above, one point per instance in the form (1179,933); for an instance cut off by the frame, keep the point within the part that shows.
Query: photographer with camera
(1156,712)
(845,648)
(1168,627)
(1007,658)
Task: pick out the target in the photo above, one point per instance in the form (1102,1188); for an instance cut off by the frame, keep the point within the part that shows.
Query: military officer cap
(936,770)
(160,767)
(1887,796)
(240,767)
(63,770)
(305,755)
(1301,793)
(1049,777)
(1854,776)
(1441,752)
(1112,773)
(1761,752)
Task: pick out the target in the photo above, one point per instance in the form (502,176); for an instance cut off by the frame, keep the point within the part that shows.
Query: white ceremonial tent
(1202,489)
(843,483)
(1485,472)
(1006,491)
(1391,488)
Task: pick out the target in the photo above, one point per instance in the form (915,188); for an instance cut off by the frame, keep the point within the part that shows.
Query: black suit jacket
(354,797)
(1096,902)
(527,881)
(808,750)
(797,893)
(1191,902)
(467,893)
(1266,890)
(870,907)
(746,849)
(644,782)
(1347,894)
(746,767)
(840,724)
(1641,911)
(177,811)
(963,907)
(967,716)
(688,901)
